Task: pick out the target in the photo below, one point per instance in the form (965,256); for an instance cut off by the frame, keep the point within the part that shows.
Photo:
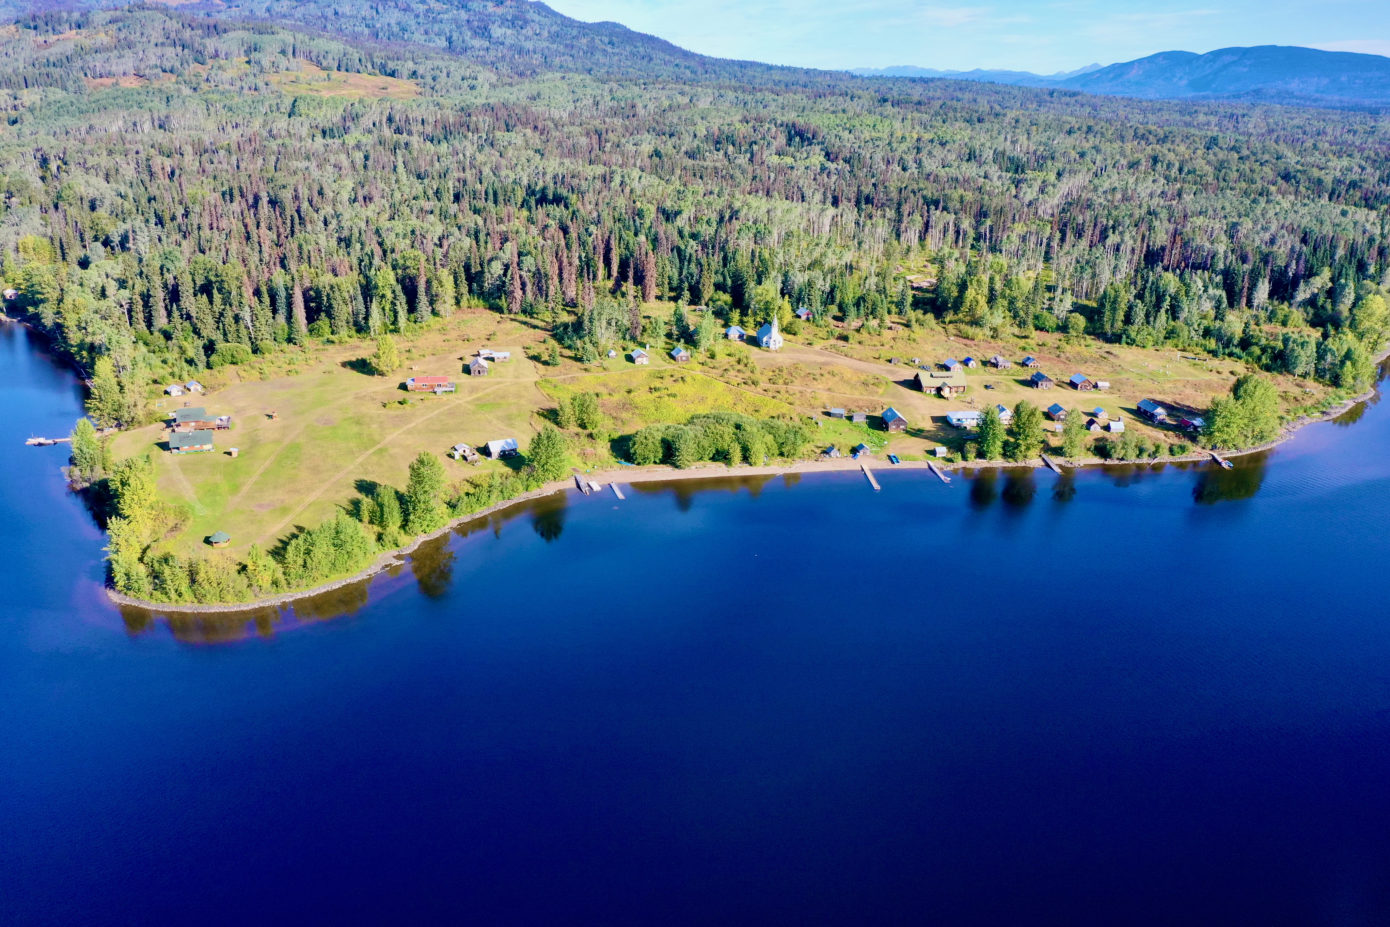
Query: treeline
(200,217)
(724,437)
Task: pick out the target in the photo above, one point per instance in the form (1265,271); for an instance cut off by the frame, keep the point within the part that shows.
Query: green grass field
(336,426)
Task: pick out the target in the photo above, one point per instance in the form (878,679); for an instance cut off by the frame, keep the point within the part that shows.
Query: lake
(1140,696)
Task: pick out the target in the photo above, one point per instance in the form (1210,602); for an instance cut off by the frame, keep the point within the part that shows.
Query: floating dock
(616,491)
(46,442)
(870,475)
(1048,462)
(582,484)
(939,474)
(1225,464)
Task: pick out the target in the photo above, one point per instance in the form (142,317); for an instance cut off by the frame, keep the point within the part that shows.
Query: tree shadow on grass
(359,365)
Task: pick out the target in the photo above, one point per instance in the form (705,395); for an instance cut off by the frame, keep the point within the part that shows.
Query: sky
(1045,36)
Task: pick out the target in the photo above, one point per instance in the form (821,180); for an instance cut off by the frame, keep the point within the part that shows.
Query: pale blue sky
(1032,36)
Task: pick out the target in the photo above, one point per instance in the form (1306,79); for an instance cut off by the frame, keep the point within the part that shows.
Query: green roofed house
(220,539)
(189,414)
(190,442)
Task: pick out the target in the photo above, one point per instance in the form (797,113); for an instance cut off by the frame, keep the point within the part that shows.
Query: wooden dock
(870,475)
(1050,464)
(616,491)
(583,485)
(1225,464)
(46,442)
(940,475)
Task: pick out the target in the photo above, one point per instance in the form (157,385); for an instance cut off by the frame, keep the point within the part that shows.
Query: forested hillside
(179,191)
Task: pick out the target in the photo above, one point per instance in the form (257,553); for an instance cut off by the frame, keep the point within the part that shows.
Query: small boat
(893,459)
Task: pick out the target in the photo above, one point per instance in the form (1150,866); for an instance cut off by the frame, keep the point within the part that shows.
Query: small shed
(735,333)
(803,314)
(612,353)
(1094,425)
(1030,361)
(233,452)
(1040,380)
(832,452)
(837,413)
(505,447)
(970,363)
(1001,362)
(1081,382)
(193,386)
(174,389)
(893,420)
(488,354)
(477,367)
(863,449)
(940,451)
(1115,427)
(219,539)
(859,418)
(11,294)
(1102,384)
(1099,414)
(1057,412)
(951,365)
(463,452)
(680,355)
(1006,415)
(640,357)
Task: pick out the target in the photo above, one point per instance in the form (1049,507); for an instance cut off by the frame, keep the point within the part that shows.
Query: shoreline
(656,474)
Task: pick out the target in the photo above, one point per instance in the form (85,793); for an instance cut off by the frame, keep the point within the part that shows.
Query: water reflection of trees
(1019,488)
(1015,486)
(549,521)
(432,565)
(1064,490)
(1215,485)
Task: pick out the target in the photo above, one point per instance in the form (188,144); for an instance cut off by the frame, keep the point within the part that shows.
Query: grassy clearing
(337,426)
(314,80)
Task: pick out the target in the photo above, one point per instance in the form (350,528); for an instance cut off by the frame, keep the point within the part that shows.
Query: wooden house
(1099,414)
(964,419)
(1115,427)
(1082,383)
(1057,412)
(640,357)
(951,365)
(1000,362)
(1152,411)
(193,386)
(893,420)
(477,367)
(859,418)
(941,383)
(505,447)
(680,355)
(735,333)
(1040,380)
(1031,361)
(434,385)
(1094,425)
(803,314)
(1006,415)
(190,442)
(174,389)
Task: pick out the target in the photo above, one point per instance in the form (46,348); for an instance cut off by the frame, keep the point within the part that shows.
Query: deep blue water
(1148,697)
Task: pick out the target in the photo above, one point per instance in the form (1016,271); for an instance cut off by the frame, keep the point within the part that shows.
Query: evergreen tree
(386,360)
(547,456)
(87,453)
(1025,432)
(991,435)
(105,402)
(424,495)
(1074,435)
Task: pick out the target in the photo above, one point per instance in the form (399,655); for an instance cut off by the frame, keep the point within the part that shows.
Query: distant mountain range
(1265,73)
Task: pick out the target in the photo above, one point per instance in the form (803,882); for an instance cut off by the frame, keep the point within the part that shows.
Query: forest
(183,190)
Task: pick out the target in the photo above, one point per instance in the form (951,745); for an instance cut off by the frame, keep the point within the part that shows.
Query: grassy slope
(337,426)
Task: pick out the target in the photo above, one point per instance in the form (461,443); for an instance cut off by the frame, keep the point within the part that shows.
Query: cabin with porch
(190,442)
(1152,411)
